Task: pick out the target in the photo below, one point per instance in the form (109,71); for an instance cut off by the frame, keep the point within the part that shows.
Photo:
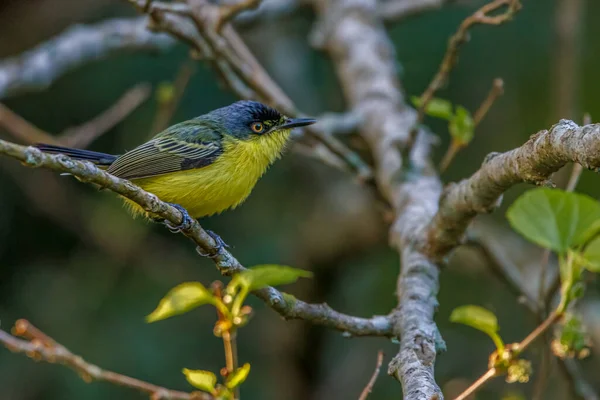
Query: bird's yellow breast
(225,183)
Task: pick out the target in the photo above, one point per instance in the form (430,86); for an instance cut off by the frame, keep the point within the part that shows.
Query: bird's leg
(186,221)
(220,245)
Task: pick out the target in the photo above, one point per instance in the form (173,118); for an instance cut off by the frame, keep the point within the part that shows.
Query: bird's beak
(297,122)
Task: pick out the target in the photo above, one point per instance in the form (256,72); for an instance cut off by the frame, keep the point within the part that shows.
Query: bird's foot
(186,221)
(220,245)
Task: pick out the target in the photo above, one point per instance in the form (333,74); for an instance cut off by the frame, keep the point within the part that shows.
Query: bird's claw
(220,245)
(186,221)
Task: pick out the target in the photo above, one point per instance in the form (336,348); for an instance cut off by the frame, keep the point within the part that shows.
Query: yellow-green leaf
(592,255)
(480,319)
(555,219)
(262,276)
(181,299)
(165,92)
(203,380)
(438,108)
(238,376)
(461,126)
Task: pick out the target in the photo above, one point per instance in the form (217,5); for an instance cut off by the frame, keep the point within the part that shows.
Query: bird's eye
(257,127)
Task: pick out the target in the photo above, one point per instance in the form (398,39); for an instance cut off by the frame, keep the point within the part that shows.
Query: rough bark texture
(534,162)
(365,62)
(287,306)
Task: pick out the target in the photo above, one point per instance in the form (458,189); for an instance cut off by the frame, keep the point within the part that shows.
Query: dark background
(76,265)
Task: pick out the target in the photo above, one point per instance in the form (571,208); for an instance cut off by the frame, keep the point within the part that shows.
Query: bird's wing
(169,153)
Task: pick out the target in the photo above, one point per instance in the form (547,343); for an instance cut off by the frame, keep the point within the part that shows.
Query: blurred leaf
(262,276)
(165,92)
(461,126)
(480,319)
(238,376)
(438,108)
(592,255)
(203,380)
(555,219)
(181,299)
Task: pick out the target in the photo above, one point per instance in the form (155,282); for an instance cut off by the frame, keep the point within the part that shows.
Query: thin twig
(167,107)
(81,136)
(228,352)
(234,359)
(23,130)
(510,274)
(40,346)
(481,16)
(516,349)
(369,388)
(540,329)
(490,373)
(286,305)
(230,56)
(496,91)
(452,151)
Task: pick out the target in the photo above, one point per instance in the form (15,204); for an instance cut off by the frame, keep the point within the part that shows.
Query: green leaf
(438,108)
(238,376)
(555,219)
(262,276)
(461,126)
(480,319)
(592,255)
(203,380)
(182,298)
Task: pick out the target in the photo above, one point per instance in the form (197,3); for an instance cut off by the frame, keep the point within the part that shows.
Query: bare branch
(40,346)
(38,68)
(455,146)
(284,304)
(496,90)
(481,16)
(545,153)
(365,393)
(236,64)
(83,135)
(22,129)
(167,107)
(364,58)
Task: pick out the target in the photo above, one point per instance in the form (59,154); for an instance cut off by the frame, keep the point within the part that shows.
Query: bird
(202,166)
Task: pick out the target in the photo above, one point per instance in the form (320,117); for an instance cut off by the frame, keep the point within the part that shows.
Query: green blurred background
(76,265)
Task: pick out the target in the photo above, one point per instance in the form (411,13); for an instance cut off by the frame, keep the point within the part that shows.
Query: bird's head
(249,120)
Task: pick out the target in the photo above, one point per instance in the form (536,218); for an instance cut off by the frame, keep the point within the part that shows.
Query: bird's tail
(100,159)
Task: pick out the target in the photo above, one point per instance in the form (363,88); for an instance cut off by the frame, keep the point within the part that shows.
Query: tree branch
(364,58)
(39,67)
(542,155)
(284,304)
(230,57)
(367,390)
(481,16)
(40,346)
(81,136)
